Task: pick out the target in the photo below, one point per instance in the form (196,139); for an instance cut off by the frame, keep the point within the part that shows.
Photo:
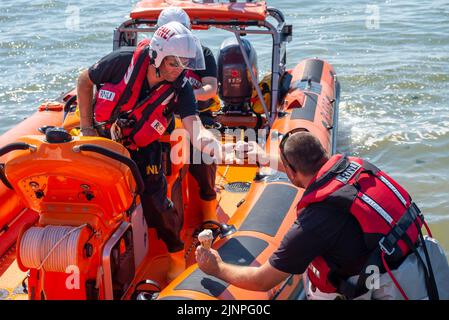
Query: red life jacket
(372,197)
(146,120)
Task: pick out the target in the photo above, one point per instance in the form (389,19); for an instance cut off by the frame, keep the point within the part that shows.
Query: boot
(177,265)
(209,209)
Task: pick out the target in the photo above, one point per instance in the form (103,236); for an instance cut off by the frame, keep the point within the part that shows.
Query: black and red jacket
(194,79)
(373,198)
(148,118)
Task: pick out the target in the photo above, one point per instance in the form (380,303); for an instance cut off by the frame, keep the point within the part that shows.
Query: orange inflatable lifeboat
(72,204)
(13,212)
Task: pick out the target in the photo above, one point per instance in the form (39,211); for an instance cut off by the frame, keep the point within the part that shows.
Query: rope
(194,244)
(428,229)
(396,283)
(223,176)
(52,248)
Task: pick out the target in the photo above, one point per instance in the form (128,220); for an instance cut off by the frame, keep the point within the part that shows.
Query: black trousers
(158,210)
(204,174)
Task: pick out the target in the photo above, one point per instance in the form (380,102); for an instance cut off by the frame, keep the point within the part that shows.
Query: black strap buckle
(414,211)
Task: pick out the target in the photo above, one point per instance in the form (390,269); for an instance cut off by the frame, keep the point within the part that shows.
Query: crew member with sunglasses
(357,234)
(204,83)
(138,91)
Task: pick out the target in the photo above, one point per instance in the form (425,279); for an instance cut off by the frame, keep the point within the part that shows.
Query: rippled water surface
(392,58)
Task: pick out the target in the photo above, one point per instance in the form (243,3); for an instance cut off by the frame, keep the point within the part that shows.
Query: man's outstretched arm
(261,278)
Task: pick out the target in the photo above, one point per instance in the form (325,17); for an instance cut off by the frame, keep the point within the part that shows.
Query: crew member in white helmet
(137,93)
(204,83)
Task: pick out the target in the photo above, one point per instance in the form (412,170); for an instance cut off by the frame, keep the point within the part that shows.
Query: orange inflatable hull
(264,214)
(259,202)
(12,209)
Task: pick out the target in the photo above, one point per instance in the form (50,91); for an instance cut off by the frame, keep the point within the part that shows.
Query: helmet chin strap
(153,56)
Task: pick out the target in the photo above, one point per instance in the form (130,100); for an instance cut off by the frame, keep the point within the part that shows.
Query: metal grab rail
(7,149)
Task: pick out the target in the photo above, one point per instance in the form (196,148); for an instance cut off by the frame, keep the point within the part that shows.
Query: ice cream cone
(205,238)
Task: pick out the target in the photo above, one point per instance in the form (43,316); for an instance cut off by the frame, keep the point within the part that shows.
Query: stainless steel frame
(106,259)
(335,118)
(126,33)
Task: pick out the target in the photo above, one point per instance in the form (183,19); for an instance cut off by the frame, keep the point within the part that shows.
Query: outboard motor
(234,80)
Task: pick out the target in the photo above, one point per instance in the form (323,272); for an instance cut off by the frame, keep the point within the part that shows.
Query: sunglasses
(176,63)
(173,64)
(282,144)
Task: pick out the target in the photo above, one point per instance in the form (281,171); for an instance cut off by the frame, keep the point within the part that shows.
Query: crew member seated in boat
(135,89)
(355,236)
(204,83)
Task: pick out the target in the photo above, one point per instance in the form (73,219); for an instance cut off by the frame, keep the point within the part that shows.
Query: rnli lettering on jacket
(370,195)
(213,104)
(146,120)
(194,79)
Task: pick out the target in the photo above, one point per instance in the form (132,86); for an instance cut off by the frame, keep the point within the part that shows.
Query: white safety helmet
(173,39)
(171,14)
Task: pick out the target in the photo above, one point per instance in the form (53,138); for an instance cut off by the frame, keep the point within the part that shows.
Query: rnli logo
(184,82)
(195,83)
(152,169)
(156,125)
(165,33)
(349,172)
(106,95)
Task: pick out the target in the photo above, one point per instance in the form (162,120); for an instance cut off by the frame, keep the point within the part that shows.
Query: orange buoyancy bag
(112,99)
(379,204)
